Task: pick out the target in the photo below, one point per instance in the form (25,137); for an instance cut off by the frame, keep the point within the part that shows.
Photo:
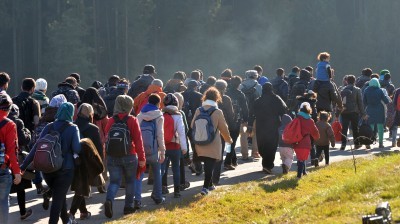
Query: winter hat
(193,84)
(72,81)
(251,74)
(58,100)
(305,104)
(180,99)
(149,69)
(305,75)
(41,84)
(262,80)
(383,73)
(267,88)
(170,99)
(123,104)
(76,76)
(221,84)
(65,112)
(157,82)
(5,101)
(85,110)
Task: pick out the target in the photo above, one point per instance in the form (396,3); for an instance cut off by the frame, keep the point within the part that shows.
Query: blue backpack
(203,132)
(149,136)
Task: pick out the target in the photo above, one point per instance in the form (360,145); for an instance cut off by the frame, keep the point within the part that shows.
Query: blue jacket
(322,73)
(69,144)
(374,99)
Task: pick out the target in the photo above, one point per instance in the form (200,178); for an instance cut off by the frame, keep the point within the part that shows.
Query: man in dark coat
(268,110)
(143,81)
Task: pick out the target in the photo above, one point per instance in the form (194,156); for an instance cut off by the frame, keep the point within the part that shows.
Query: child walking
(326,137)
(285,150)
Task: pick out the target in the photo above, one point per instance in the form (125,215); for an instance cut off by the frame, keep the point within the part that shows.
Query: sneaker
(393,144)
(165,190)
(321,157)
(316,163)
(137,205)
(342,148)
(368,146)
(85,215)
(285,169)
(129,210)
(184,186)
(158,201)
(108,211)
(381,146)
(191,168)
(102,189)
(229,167)
(267,171)
(235,164)
(177,195)
(41,190)
(211,188)
(46,202)
(28,213)
(256,156)
(204,191)
(71,219)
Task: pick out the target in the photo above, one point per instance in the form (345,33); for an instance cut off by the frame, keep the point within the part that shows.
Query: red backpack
(292,132)
(337,130)
(169,129)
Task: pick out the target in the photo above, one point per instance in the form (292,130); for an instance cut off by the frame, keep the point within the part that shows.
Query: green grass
(333,194)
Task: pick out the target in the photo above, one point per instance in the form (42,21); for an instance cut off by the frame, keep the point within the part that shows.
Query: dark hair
(195,75)
(149,69)
(295,69)
(235,81)
(258,68)
(213,94)
(179,75)
(309,68)
(4,78)
(113,80)
(324,116)
(211,80)
(280,71)
(351,79)
(76,76)
(28,84)
(227,73)
(71,80)
(154,99)
(375,75)
(387,76)
(367,72)
(323,55)
(91,96)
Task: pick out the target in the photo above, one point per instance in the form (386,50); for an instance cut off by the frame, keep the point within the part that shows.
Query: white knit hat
(58,100)
(306,104)
(41,84)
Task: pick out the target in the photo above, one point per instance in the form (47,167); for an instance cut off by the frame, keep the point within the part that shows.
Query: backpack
(278,89)
(337,130)
(292,132)
(48,155)
(203,131)
(348,98)
(119,141)
(187,109)
(237,110)
(366,135)
(149,136)
(298,89)
(26,112)
(169,129)
(251,95)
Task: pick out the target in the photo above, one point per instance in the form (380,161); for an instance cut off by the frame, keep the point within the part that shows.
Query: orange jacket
(138,101)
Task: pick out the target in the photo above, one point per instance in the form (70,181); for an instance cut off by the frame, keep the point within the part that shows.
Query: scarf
(304,115)
(210,103)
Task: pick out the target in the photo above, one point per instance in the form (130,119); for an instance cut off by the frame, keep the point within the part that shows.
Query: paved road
(246,171)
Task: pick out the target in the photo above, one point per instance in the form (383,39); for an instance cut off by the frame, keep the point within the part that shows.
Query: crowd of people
(118,131)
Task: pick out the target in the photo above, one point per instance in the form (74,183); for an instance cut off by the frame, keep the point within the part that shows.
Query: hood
(248,83)
(374,82)
(286,119)
(65,85)
(172,85)
(150,115)
(65,112)
(49,114)
(39,95)
(173,110)
(123,104)
(153,89)
(291,75)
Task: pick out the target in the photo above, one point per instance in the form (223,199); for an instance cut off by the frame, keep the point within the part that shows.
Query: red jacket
(136,135)
(308,129)
(8,135)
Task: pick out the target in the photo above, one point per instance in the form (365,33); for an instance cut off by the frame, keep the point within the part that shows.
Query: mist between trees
(98,38)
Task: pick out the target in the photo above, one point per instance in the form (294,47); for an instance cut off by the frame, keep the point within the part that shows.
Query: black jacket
(140,85)
(240,108)
(192,100)
(109,100)
(328,95)
(91,131)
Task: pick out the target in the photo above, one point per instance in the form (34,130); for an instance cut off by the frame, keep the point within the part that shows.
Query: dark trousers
(230,158)
(217,168)
(324,148)
(59,182)
(347,119)
(312,150)
(21,201)
(209,165)
(78,202)
(267,149)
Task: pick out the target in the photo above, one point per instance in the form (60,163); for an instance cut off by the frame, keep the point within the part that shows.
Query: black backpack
(237,111)
(119,140)
(348,98)
(298,89)
(366,135)
(251,95)
(26,112)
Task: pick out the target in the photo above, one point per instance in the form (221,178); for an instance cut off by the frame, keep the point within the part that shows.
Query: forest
(99,38)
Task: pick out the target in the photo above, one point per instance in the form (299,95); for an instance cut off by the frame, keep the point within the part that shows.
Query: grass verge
(333,194)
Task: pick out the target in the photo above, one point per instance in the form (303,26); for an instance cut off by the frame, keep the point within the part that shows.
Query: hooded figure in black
(268,110)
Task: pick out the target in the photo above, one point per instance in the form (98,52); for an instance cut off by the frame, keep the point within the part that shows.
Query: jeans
(230,158)
(324,148)
(174,156)
(122,166)
(59,183)
(5,187)
(156,168)
(347,119)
